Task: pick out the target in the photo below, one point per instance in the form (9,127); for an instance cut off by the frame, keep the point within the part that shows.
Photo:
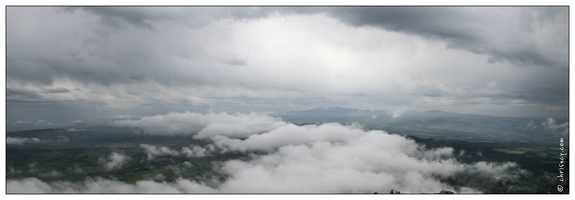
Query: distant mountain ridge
(35,131)
(432,123)
(342,110)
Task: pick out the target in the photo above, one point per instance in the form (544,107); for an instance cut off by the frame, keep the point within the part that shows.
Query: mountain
(431,124)
(333,114)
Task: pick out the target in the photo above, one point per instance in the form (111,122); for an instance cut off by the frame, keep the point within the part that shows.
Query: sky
(70,64)
(163,70)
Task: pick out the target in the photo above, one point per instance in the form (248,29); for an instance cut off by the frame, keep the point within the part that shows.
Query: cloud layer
(550,125)
(100,185)
(204,125)
(119,62)
(24,140)
(327,158)
(21,141)
(154,151)
(114,161)
(145,61)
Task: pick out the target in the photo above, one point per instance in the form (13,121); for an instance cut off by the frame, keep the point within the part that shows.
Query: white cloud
(288,135)
(51,174)
(123,116)
(21,141)
(154,151)
(114,161)
(204,125)
(76,170)
(398,113)
(552,125)
(11,170)
(188,164)
(531,125)
(62,138)
(159,177)
(330,158)
(194,152)
(100,185)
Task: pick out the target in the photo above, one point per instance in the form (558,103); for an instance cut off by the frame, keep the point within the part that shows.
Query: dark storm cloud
(115,45)
(475,29)
(39,56)
(549,94)
(114,15)
(21,95)
(57,90)
(502,33)
(144,17)
(25,69)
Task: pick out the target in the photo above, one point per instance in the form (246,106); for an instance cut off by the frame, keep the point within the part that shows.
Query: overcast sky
(78,63)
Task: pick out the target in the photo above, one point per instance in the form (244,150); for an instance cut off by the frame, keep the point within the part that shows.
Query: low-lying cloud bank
(154,151)
(24,140)
(114,161)
(551,126)
(21,141)
(100,185)
(285,158)
(204,125)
